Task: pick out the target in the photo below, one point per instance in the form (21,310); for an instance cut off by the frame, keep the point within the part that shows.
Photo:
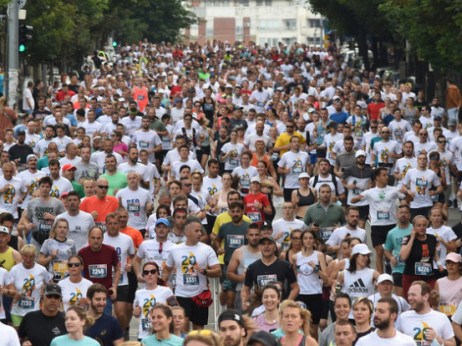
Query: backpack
(334,181)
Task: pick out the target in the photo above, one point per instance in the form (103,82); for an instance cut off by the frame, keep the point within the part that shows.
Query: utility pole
(12,71)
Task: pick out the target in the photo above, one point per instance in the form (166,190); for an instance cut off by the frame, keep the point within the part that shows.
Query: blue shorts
(313,158)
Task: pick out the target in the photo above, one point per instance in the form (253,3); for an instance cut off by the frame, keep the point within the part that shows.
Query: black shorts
(210,222)
(314,304)
(379,234)
(321,153)
(197,315)
(132,284)
(123,294)
(363,212)
(425,211)
(397,279)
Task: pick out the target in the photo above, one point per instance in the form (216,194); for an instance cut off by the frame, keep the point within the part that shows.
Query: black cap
(231,315)
(264,338)
(52,289)
(271,239)
(21,132)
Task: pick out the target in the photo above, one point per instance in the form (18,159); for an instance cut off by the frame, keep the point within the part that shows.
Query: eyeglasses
(385,131)
(188,185)
(434,158)
(373,127)
(152,272)
(423,134)
(103,186)
(53,296)
(70,265)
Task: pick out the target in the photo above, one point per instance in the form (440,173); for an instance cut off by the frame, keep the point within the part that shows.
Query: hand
(128,267)
(114,293)
(20,200)
(245,305)
(413,233)
(430,334)
(257,204)
(26,343)
(5,188)
(137,311)
(94,214)
(82,301)
(140,278)
(48,216)
(30,226)
(220,251)
(393,262)
(54,253)
(315,228)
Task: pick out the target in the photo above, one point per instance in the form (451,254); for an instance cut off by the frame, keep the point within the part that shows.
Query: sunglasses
(373,127)
(442,142)
(423,134)
(70,265)
(152,271)
(53,296)
(103,186)
(188,185)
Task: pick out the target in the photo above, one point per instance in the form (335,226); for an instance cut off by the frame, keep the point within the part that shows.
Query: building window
(314,23)
(290,24)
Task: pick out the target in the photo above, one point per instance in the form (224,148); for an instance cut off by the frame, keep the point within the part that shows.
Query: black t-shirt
(20,152)
(105,330)
(40,329)
(420,260)
(458,231)
(260,274)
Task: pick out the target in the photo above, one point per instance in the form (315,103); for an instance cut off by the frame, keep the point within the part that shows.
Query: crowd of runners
(128,189)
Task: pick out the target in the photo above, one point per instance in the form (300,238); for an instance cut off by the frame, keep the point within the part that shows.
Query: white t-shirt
(150,251)
(139,168)
(79,226)
(212,185)
(194,165)
(373,339)
(427,146)
(447,234)
(340,233)
(404,164)
(189,282)
(135,203)
(72,292)
(9,199)
(41,148)
(245,174)
(382,204)
(60,186)
(146,140)
(420,182)
(131,125)
(297,163)
(398,129)
(173,156)
(260,97)
(123,244)
(329,181)
(61,143)
(286,227)
(151,173)
(9,335)
(5,280)
(329,143)
(235,151)
(383,150)
(29,282)
(100,157)
(413,324)
(146,299)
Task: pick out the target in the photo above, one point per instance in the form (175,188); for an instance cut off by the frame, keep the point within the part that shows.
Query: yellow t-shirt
(284,139)
(221,220)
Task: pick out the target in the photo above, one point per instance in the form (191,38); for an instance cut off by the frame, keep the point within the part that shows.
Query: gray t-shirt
(327,336)
(58,266)
(86,171)
(37,208)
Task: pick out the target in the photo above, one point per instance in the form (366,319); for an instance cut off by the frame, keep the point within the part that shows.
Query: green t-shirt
(79,188)
(157,125)
(151,340)
(116,182)
(234,237)
(393,244)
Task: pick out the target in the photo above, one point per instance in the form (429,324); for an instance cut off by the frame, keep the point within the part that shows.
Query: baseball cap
(5,230)
(454,257)
(452,122)
(231,315)
(361,249)
(311,110)
(68,167)
(437,117)
(30,156)
(384,277)
(360,153)
(255,180)
(303,175)
(51,289)
(264,338)
(271,239)
(163,221)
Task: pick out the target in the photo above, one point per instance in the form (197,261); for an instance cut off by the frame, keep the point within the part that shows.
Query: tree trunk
(362,45)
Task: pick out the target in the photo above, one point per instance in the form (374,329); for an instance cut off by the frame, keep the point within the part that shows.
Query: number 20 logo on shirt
(188,263)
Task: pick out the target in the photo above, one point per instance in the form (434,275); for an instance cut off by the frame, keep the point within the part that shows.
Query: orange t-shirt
(141,97)
(136,236)
(102,206)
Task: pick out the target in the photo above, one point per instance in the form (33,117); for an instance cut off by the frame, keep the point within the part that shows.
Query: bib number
(27,303)
(190,280)
(297,169)
(254,217)
(448,309)
(383,215)
(262,280)
(145,325)
(326,233)
(235,241)
(97,271)
(45,226)
(423,269)
(60,270)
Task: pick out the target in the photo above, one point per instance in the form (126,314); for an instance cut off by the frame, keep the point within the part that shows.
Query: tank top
(141,97)
(307,278)
(6,259)
(358,284)
(450,295)
(206,142)
(255,159)
(321,132)
(247,259)
(305,200)
(208,108)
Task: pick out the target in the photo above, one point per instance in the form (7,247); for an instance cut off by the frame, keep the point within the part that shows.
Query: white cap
(360,153)
(255,180)
(361,249)
(303,175)
(384,277)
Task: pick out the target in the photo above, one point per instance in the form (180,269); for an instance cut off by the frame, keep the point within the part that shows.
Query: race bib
(97,271)
(326,233)
(60,269)
(143,144)
(448,309)
(245,183)
(235,240)
(26,302)
(254,217)
(45,226)
(190,280)
(146,325)
(262,280)
(423,269)
(233,162)
(133,208)
(296,169)
(383,215)
(260,104)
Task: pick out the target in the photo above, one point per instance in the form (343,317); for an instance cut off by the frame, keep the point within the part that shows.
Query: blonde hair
(28,249)
(205,336)
(83,315)
(55,225)
(304,314)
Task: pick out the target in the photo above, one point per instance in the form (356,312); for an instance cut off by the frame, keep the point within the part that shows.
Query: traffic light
(25,35)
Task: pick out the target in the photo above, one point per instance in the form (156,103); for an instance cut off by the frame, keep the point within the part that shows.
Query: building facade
(261,21)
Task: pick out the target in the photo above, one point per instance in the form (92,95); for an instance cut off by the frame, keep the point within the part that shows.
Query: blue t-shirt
(152,341)
(339,118)
(393,244)
(105,330)
(64,340)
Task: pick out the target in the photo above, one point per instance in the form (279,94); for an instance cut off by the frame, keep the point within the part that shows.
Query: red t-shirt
(255,214)
(373,109)
(97,266)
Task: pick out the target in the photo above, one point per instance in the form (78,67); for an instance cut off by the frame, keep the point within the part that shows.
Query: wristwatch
(205,272)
